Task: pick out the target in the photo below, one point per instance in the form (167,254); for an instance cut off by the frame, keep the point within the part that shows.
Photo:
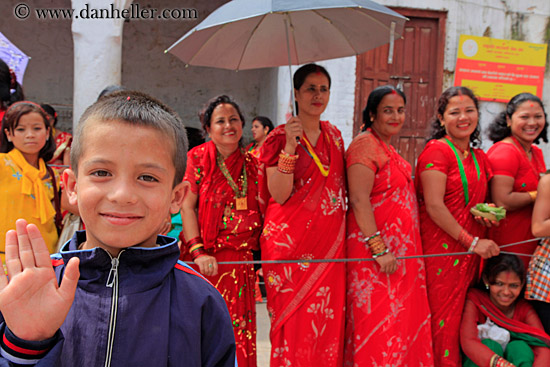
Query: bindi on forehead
(509,277)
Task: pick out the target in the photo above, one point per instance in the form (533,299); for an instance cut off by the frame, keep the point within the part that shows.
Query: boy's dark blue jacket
(164,314)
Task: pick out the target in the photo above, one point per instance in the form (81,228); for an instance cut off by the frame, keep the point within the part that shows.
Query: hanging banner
(497,70)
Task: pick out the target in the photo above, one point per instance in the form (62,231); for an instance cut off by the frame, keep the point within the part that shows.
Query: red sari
(253,149)
(63,141)
(525,321)
(449,277)
(507,160)
(305,300)
(387,316)
(229,235)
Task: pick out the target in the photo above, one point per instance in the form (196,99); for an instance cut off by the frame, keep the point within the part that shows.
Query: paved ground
(262,337)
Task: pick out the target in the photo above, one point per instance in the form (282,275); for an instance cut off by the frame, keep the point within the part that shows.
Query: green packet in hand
(490,212)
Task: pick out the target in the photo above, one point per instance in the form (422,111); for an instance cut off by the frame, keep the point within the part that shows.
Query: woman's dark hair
(503,262)
(11,121)
(302,73)
(51,112)
(265,121)
(206,114)
(499,128)
(10,90)
(375,97)
(438,131)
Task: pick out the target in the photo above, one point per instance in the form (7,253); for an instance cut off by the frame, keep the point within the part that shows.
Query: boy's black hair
(51,112)
(137,109)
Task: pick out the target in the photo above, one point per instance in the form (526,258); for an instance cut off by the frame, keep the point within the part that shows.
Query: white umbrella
(249,34)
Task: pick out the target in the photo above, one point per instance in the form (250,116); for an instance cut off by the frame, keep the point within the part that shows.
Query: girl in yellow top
(26,189)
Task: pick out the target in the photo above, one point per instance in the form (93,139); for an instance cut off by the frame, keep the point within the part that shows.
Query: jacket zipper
(112,282)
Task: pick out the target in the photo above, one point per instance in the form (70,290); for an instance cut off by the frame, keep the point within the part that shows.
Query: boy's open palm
(31,302)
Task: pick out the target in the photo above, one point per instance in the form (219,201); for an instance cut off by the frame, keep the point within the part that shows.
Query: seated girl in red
(516,336)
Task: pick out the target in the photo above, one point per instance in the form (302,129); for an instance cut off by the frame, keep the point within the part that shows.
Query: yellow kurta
(14,204)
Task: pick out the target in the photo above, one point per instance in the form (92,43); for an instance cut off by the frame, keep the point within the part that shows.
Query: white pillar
(97,50)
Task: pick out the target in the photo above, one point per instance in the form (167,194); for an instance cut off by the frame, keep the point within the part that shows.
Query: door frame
(441,17)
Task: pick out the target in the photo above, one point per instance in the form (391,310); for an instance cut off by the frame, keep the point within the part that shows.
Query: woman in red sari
(523,341)
(517,165)
(451,177)
(261,127)
(305,220)
(387,315)
(221,220)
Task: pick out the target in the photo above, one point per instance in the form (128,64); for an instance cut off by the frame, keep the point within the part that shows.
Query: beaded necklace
(240,197)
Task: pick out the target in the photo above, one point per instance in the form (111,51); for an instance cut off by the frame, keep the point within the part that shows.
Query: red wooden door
(417,69)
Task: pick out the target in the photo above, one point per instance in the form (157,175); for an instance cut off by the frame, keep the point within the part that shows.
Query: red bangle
(198,253)
(465,239)
(194,241)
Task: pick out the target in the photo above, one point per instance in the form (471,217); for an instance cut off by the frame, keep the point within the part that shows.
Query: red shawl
(449,277)
(525,321)
(306,301)
(62,142)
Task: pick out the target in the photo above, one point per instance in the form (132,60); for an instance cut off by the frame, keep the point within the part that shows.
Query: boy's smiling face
(124,185)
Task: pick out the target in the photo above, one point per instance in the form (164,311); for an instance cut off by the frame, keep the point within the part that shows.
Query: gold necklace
(240,197)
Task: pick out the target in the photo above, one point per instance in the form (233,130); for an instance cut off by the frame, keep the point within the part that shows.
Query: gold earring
(486,285)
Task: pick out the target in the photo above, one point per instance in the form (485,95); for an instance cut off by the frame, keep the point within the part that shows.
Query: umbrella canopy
(249,34)
(13,57)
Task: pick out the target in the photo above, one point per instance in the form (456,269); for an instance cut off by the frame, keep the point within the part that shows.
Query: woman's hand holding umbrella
(294,131)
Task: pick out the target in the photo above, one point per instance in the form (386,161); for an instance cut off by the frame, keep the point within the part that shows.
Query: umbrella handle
(292,107)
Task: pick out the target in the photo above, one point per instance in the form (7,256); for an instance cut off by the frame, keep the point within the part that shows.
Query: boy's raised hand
(31,302)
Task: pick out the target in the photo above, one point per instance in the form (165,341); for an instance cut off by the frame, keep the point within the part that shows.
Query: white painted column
(97,51)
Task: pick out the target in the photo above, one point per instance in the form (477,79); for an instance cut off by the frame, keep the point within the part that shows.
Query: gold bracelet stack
(196,247)
(287,162)
(533,195)
(376,245)
(498,361)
